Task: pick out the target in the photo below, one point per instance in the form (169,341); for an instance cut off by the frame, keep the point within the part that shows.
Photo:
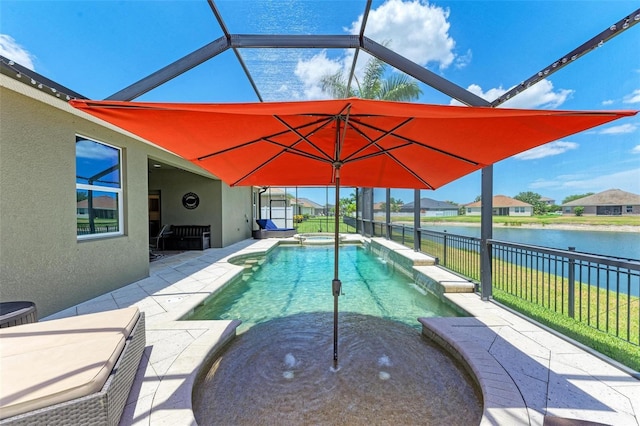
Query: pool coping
(178,351)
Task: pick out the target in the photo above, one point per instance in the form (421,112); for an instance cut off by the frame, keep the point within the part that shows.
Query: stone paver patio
(527,374)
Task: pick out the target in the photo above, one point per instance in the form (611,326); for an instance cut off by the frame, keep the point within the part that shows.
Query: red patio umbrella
(353,142)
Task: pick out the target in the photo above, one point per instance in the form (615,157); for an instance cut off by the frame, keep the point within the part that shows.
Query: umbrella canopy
(375,143)
(354,142)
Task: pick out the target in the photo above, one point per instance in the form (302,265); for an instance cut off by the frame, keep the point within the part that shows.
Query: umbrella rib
(263,138)
(340,140)
(292,150)
(303,137)
(400,163)
(413,142)
(254,170)
(327,120)
(373,141)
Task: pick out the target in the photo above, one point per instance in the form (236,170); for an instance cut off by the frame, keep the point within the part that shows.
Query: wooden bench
(189,237)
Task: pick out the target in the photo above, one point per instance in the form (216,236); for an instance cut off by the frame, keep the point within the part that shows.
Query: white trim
(119,191)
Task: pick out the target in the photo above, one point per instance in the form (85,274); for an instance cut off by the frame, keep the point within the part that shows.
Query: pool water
(277,373)
(294,280)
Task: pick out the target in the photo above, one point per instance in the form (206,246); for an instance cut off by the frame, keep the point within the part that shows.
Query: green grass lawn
(603,321)
(322,224)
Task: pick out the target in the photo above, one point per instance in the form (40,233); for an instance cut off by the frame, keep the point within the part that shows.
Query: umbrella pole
(336,285)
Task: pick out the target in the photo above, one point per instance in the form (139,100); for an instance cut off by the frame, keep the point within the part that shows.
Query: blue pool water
(294,280)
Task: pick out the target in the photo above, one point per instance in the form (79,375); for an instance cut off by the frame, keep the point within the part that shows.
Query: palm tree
(398,87)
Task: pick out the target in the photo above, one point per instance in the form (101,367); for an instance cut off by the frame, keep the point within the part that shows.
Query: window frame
(118,191)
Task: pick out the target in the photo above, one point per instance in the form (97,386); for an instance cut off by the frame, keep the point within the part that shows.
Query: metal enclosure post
(416,219)
(387,208)
(358,212)
(369,207)
(486,232)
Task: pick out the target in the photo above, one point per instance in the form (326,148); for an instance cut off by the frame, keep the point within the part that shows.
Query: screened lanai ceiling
(574,55)
(228,51)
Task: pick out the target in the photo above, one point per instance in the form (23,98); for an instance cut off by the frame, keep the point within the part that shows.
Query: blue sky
(97,48)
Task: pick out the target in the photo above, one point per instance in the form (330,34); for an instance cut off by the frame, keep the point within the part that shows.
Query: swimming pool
(294,280)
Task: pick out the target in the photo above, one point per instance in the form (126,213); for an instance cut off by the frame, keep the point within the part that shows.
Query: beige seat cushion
(56,361)
(47,334)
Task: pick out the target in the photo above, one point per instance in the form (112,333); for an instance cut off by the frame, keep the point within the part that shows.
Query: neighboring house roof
(607,198)
(305,202)
(274,191)
(103,202)
(429,204)
(547,200)
(501,201)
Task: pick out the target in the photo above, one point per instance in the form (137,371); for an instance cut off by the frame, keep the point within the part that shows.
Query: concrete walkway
(540,377)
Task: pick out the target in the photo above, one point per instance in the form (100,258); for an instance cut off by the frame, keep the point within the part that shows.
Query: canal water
(618,244)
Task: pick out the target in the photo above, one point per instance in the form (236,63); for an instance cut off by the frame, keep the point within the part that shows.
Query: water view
(617,244)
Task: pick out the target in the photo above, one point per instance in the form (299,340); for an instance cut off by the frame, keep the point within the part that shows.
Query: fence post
(572,285)
(444,254)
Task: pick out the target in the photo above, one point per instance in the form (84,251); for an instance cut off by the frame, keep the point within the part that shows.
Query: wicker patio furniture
(77,370)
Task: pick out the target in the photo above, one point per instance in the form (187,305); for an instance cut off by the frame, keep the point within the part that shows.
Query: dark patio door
(154,215)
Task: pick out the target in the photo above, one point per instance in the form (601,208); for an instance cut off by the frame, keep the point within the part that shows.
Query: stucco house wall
(502,206)
(523,211)
(41,258)
(528,211)
(610,202)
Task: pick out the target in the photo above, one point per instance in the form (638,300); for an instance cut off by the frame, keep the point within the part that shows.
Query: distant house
(104,207)
(275,196)
(612,202)
(306,206)
(502,206)
(432,208)
(547,201)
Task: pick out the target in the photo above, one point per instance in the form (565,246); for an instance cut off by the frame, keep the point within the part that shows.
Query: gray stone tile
(100,305)
(525,371)
(577,390)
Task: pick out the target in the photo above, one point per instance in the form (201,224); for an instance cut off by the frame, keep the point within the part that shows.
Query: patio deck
(553,378)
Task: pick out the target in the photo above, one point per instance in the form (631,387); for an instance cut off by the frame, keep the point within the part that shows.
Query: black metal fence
(85,229)
(600,291)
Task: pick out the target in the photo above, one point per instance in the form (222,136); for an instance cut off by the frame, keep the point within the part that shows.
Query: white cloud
(636,149)
(9,48)
(618,130)
(463,60)
(608,102)
(540,95)
(548,150)
(632,98)
(416,30)
(626,180)
(311,71)
(413,29)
